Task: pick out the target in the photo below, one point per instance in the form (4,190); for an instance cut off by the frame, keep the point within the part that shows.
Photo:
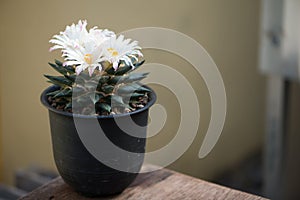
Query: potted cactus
(97,80)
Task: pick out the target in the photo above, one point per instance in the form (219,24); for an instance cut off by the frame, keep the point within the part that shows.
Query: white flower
(117,49)
(70,37)
(80,47)
(87,57)
(88,49)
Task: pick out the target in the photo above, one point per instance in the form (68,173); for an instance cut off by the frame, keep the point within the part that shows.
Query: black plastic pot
(78,167)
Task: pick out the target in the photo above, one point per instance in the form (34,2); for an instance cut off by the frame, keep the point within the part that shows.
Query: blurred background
(229,30)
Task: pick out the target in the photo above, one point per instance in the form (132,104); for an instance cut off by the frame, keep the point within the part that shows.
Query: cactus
(117,87)
(99,83)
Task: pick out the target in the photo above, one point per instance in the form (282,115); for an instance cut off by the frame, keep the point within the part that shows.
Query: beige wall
(227,29)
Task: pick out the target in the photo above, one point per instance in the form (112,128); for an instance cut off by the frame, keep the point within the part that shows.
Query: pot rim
(44,101)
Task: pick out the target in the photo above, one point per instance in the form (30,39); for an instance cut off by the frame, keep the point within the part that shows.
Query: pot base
(97,185)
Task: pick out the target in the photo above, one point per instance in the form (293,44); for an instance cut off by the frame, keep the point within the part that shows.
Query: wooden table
(162,184)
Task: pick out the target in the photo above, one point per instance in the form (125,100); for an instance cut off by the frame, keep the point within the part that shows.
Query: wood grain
(158,185)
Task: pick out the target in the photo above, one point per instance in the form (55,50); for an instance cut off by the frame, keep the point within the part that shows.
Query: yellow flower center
(113,51)
(88,58)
